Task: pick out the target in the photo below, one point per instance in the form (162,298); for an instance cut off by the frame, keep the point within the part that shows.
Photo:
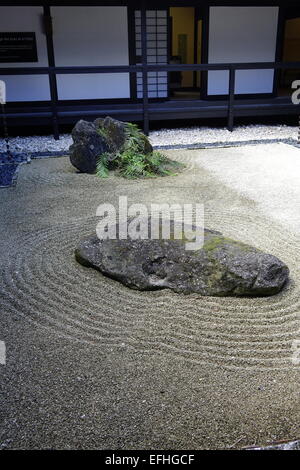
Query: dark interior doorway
(291,53)
(185,48)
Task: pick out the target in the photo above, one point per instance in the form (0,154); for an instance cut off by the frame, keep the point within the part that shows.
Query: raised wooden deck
(165,110)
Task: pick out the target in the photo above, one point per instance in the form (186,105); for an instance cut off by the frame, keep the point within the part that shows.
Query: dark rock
(87,147)
(146,147)
(92,139)
(223,267)
(99,122)
(114,132)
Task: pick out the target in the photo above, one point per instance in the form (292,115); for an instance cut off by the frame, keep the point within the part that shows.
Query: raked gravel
(267,175)
(92,364)
(165,137)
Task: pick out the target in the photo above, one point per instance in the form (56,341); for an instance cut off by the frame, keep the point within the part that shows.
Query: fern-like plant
(134,161)
(102,166)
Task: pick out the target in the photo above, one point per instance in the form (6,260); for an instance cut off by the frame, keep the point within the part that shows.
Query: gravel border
(194,146)
(166,138)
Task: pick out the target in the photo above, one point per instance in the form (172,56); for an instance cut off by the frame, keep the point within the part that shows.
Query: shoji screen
(157,51)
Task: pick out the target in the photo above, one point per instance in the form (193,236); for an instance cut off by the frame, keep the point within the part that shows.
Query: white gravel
(267,174)
(193,135)
(179,136)
(43,143)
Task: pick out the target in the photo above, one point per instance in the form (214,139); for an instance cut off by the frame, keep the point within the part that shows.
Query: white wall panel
(26,87)
(93,86)
(242,34)
(91,36)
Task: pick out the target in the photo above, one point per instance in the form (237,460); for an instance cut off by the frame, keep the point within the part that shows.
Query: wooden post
(52,74)
(231,99)
(144,67)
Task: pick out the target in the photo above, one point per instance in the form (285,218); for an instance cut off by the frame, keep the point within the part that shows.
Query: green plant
(134,161)
(102,131)
(133,132)
(102,166)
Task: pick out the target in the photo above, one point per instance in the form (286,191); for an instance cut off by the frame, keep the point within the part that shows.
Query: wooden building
(148,60)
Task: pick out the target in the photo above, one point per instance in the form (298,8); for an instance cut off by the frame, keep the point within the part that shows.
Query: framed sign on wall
(18,47)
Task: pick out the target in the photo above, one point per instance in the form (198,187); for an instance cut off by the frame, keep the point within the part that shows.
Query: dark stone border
(8,174)
(13,157)
(194,146)
(52,154)
(9,168)
(237,143)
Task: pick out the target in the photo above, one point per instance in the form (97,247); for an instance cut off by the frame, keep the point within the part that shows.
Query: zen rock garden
(222,267)
(205,330)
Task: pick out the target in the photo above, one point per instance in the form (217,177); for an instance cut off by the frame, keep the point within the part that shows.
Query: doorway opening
(185,45)
(291,53)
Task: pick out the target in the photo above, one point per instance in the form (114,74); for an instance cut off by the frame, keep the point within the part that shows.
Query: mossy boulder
(106,136)
(222,267)
(113,132)
(87,145)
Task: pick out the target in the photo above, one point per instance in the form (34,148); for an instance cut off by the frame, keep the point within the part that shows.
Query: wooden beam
(51,74)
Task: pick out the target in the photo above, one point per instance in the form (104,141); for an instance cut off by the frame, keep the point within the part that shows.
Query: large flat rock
(222,267)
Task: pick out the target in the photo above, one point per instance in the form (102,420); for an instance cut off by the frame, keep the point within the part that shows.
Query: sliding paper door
(157,51)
